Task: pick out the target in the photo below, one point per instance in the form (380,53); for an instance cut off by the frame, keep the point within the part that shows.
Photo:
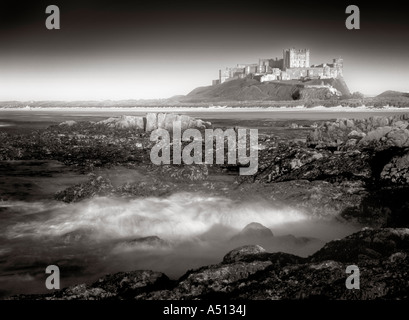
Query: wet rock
(77,236)
(242,253)
(151,122)
(129,284)
(68,123)
(143,243)
(82,292)
(356,134)
(382,256)
(397,170)
(122,285)
(170,118)
(161,120)
(256,229)
(253,233)
(389,131)
(124,122)
(95,186)
(366,244)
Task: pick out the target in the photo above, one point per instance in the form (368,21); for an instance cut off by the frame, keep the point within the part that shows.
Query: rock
(295,163)
(314,138)
(242,253)
(342,124)
(144,243)
(169,119)
(366,244)
(184,121)
(95,186)
(379,121)
(376,135)
(317,156)
(252,232)
(377,131)
(129,284)
(397,170)
(151,122)
(82,292)
(246,273)
(161,120)
(351,143)
(122,285)
(398,138)
(77,236)
(356,135)
(400,124)
(68,123)
(256,228)
(124,122)
(349,123)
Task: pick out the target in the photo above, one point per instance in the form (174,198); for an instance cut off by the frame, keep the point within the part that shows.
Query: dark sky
(156,49)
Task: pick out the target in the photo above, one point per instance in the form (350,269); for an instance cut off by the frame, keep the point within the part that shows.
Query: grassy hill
(393,94)
(250,90)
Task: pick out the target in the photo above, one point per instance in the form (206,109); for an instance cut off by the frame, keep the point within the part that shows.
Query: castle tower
(339,65)
(293,58)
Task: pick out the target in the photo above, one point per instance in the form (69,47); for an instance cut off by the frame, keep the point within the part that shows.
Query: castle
(295,65)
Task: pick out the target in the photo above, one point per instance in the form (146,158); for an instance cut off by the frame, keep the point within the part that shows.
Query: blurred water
(102,235)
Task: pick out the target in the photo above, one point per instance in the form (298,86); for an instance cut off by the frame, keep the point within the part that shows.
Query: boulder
(68,123)
(253,232)
(161,120)
(242,253)
(124,122)
(356,135)
(398,138)
(376,135)
(151,122)
(169,119)
(397,170)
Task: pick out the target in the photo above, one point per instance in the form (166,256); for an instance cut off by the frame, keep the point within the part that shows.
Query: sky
(157,49)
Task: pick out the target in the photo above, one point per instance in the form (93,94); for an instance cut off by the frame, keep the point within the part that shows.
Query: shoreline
(211,109)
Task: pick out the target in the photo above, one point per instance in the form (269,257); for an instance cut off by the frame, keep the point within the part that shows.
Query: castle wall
(269,77)
(295,65)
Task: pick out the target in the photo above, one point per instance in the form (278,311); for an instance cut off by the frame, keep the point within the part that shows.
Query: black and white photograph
(224,151)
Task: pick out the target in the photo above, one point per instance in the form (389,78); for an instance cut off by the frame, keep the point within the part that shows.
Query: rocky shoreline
(354,171)
(249,272)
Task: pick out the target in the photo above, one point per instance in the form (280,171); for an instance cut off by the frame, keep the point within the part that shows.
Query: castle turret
(339,65)
(293,58)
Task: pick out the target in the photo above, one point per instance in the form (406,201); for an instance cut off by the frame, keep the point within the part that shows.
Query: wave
(177,217)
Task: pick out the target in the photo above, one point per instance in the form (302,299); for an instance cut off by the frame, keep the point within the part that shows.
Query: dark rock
(95,186)
(366,244)
(129,284)
(254,230)
(242,252)
(382,256)
(146,243)
(397,170)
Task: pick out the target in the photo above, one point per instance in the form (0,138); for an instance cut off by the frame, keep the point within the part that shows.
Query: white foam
(178,217)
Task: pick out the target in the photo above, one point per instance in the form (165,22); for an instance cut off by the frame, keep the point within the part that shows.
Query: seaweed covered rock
(397,170)
(95,186)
